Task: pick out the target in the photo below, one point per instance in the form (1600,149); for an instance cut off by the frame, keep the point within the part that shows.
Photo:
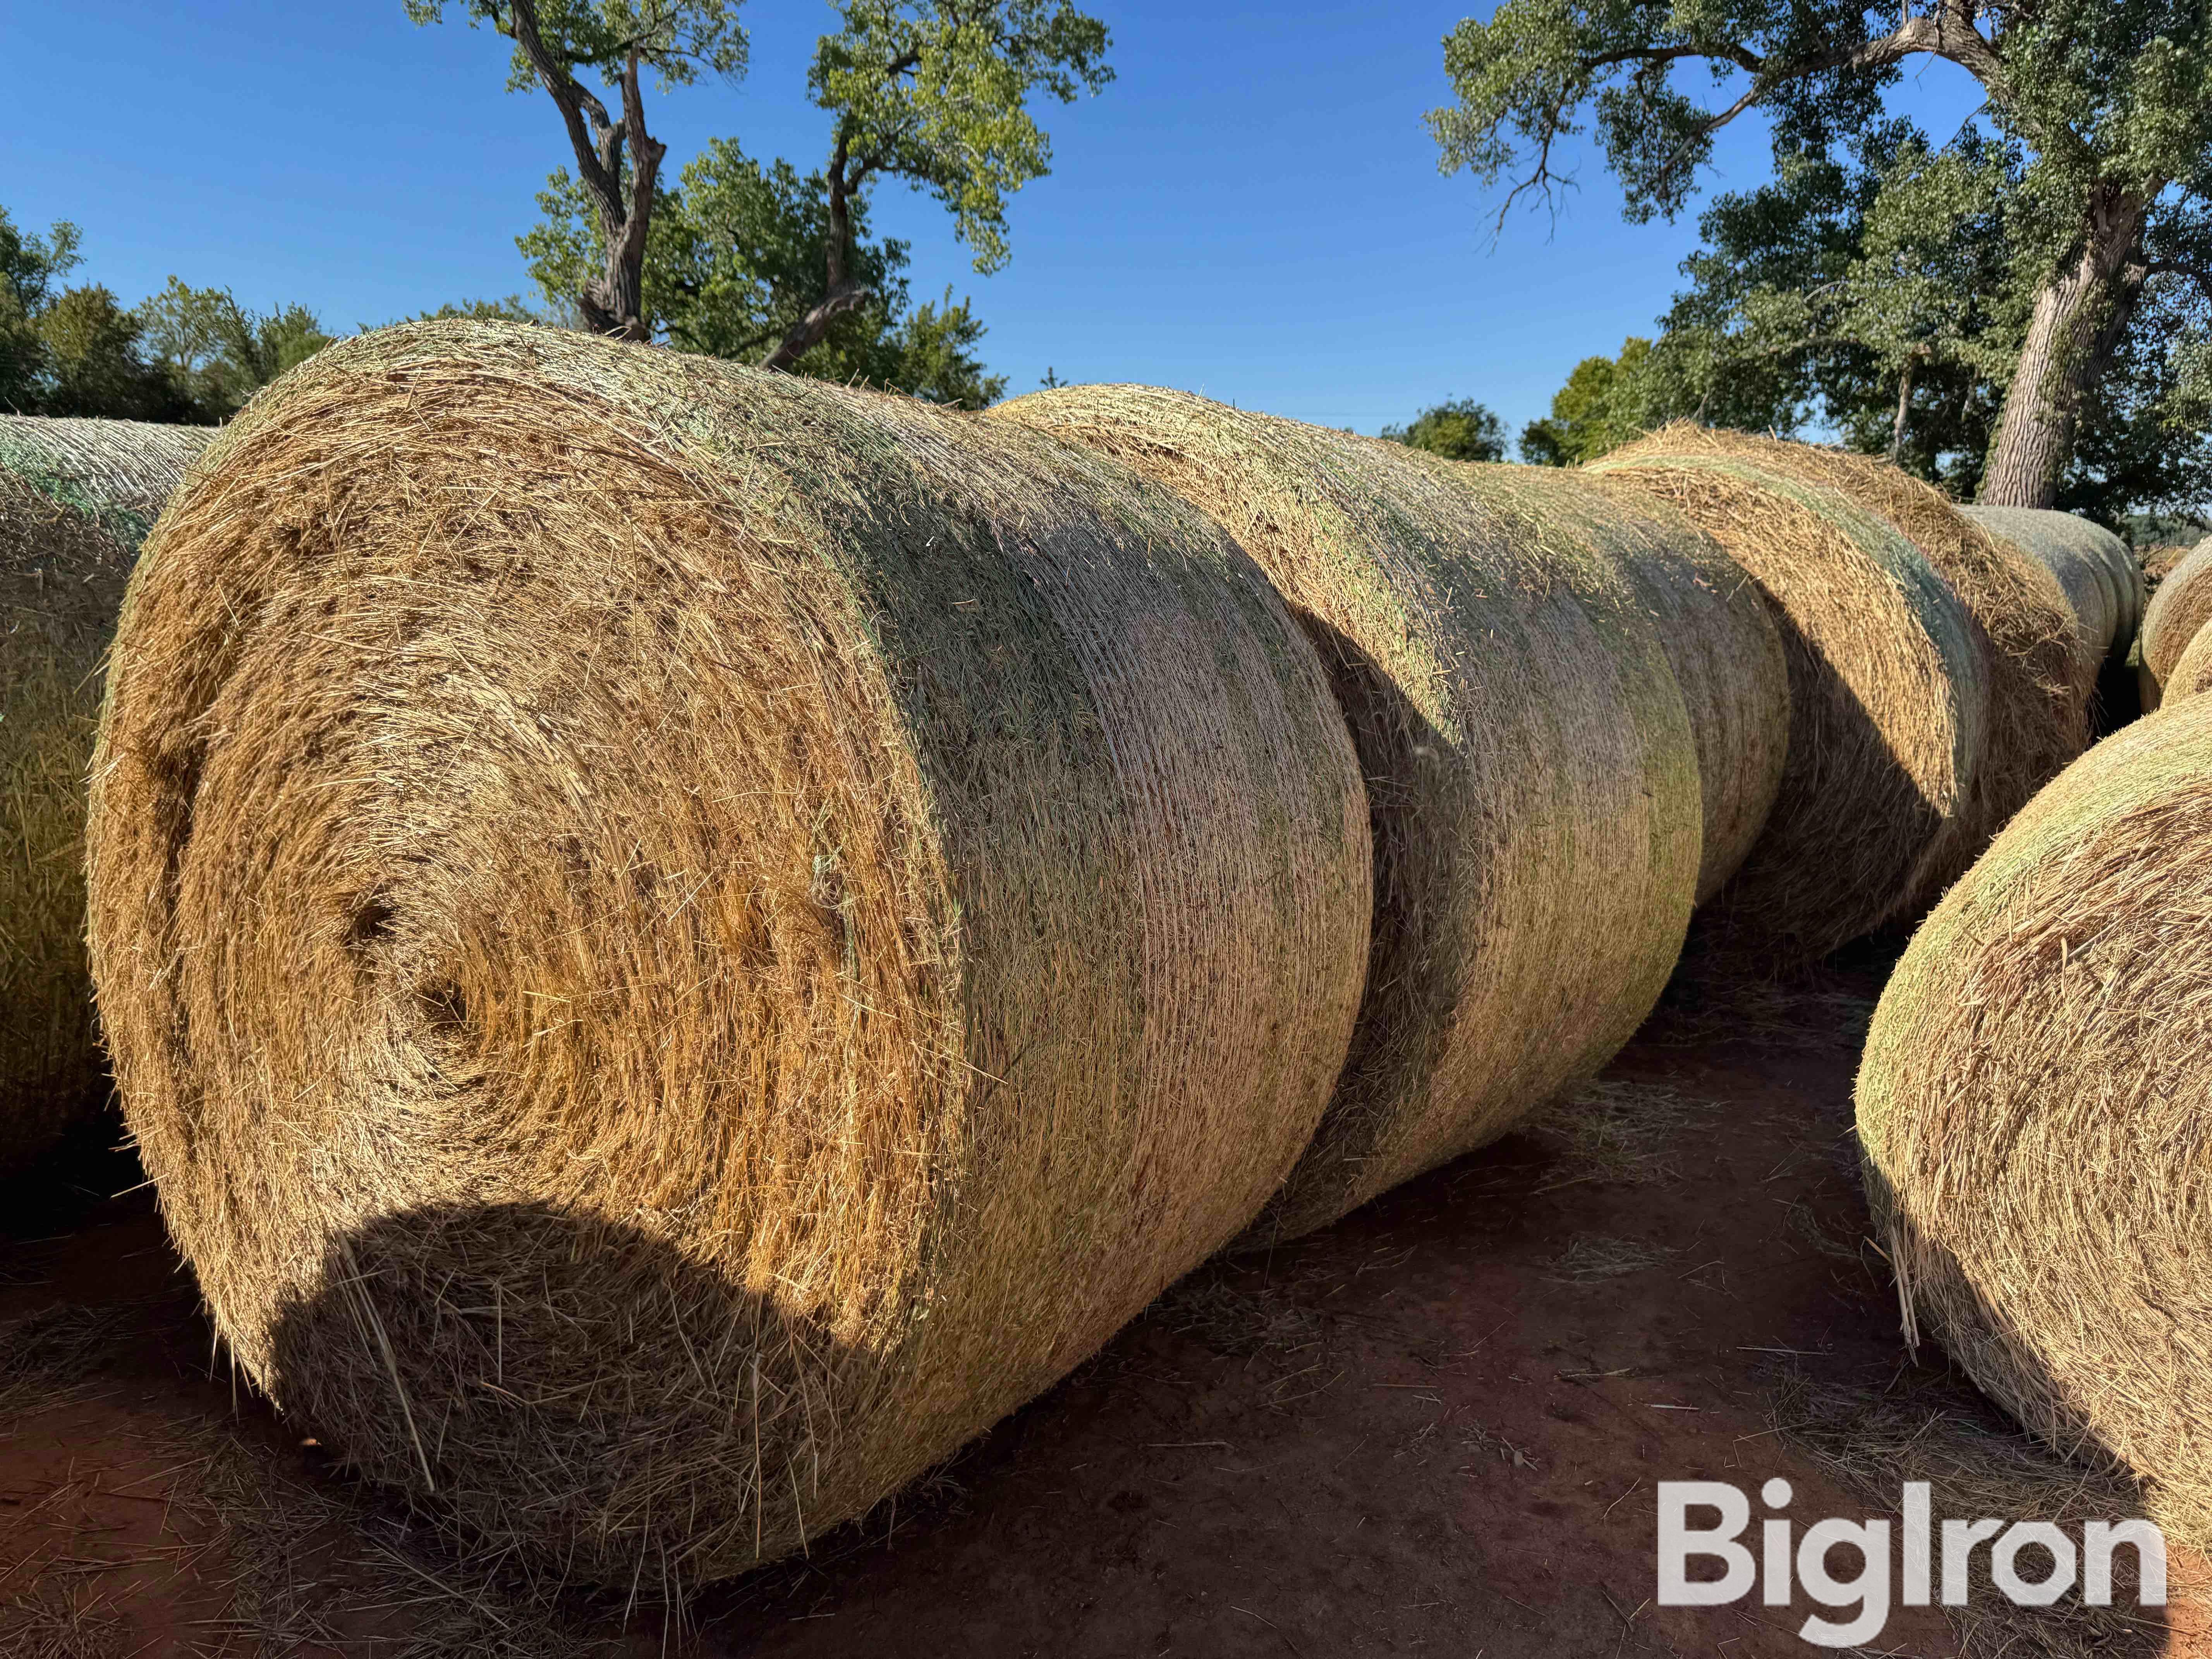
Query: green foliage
(95,365)
(1603,405)
(1461,430)
(676,39)
(936,92)
(219,353)
(30,269)
(733,258)
(1879,265)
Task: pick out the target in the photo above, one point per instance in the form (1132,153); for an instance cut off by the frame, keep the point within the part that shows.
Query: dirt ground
(1435,1428)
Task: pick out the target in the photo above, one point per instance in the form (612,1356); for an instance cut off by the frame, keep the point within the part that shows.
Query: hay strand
(76,498)
(679,940)
(2031,1105)
(1531,769)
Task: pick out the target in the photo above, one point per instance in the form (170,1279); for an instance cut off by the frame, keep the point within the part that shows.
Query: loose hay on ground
(1529,759)
(2031,1105)
(77,497)
(1889,699)
(679,940)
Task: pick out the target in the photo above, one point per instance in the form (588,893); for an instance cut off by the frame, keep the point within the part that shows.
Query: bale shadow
(577,1398)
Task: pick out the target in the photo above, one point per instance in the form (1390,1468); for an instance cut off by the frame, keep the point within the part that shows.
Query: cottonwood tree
(936,93)
(219,352)
(2106,100)
(1460,430)
(617,159)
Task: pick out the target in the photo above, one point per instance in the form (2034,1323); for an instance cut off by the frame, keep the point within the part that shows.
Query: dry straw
(2103,582)
(1530,764)
(77,497)
(2031,1105)
(1889,695)
(679,940)
(2192,669)
(2177,613)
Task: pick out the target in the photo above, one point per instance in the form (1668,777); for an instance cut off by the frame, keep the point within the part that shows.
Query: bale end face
(679,940)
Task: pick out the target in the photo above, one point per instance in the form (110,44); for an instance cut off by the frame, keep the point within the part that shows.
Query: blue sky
(1252,210)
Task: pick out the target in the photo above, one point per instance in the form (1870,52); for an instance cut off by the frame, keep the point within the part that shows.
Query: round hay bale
(77,497)
(2192,669)
(679,940)
(2032,1108)
(2177,613)
(1888,698)
(1715,627)
(1531,770)
(2039,682)
(2102,581)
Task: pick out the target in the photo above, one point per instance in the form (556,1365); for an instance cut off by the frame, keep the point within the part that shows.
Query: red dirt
(1406,1434)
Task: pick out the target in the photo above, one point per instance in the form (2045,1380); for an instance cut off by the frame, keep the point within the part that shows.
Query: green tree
(1602,407)
(218,352)
(617,160)
(1461,430)
(2101,112)
(936,93)
(734,261)
(95,364)
(31,267)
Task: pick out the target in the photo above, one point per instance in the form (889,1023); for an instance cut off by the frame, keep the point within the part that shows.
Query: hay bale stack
(679,940)
(77,497)
(2032,1104)
(2103,582)
(1888,682)
(2177,613)
(2192,669)
(2039,682)
(1531,769)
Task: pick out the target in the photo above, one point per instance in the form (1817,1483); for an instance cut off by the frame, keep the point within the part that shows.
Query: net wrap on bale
(2033,1108)
(76,498)
(1530,766)
(2103,583)
(679,940)
(1888,697)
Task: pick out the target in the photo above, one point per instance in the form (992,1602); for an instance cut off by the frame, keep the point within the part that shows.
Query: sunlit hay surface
(2158,563)
(1713,624)
(679,940)
(1889,699)
(77,497)
(2192,669)
(2032,1107)
(1529,763)
(2039,680)
(2102,581)
(2176,614)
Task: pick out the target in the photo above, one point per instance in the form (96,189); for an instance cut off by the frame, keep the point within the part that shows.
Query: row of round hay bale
(2103,583)
(2040,683)
(1889,692)
(2032,1107)
(77,497)
(679,940)
(2177,615)
(1531,770)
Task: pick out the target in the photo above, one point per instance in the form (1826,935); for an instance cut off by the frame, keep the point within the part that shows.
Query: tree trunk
(2075,328)
(1904,407)
(840,293)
